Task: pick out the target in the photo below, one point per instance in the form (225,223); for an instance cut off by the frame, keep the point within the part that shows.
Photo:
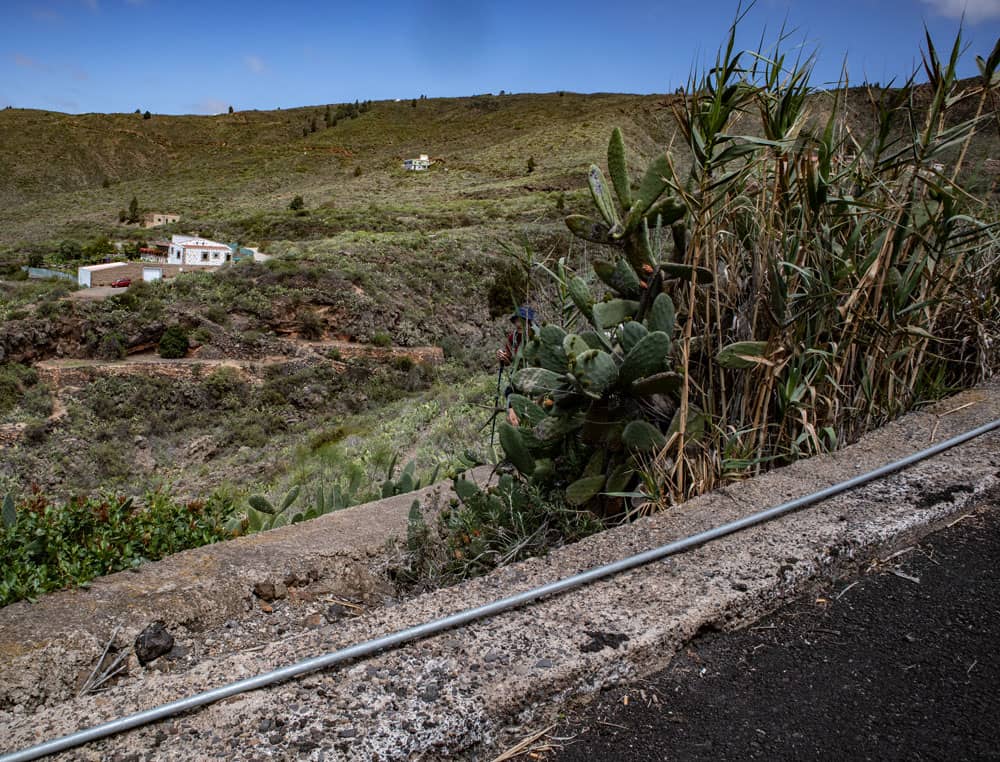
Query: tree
(297,204)
(312,125)
(531,164)
(357,171)
(133,211)
(69,251)
(99,248)
(230,109)
(147,115)
(328,117)
(413,103)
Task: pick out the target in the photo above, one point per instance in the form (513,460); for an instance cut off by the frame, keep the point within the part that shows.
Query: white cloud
(254,64)
(974,10)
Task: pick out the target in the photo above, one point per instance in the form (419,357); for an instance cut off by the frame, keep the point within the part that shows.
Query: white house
(417,165)
(197,252)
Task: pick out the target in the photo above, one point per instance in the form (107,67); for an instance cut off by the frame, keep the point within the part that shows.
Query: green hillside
(63,175)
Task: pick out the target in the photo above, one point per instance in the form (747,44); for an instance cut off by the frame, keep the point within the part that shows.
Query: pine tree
(133,210)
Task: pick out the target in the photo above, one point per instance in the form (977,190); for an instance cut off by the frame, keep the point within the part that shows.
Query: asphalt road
(900,663)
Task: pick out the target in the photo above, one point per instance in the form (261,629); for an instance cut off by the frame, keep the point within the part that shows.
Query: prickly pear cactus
(611,389)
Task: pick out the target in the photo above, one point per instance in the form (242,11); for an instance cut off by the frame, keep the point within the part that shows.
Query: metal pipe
(463,617)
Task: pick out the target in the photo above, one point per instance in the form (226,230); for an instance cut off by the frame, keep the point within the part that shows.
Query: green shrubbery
(48,546)
(174,343)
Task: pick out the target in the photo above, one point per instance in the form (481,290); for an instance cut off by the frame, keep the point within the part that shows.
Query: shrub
(311,325)
(382,339)
(15,380)
(47,546)
(174,343)
(112,347)
(297,204)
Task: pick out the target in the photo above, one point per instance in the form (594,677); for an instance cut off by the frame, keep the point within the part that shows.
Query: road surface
(900,663)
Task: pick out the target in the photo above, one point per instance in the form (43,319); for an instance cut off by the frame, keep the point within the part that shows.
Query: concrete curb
(471,689)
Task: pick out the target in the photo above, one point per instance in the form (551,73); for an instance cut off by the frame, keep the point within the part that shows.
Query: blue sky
(200,57)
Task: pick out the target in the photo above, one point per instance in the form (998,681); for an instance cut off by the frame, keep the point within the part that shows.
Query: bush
(311,324)
(174,343)
(15,381)
(49,546)
(382,339)
(112,347)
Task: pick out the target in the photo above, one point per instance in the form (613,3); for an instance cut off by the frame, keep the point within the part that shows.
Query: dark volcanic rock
(153,642)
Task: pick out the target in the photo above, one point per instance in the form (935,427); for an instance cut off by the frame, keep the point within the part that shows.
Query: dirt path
(898,664)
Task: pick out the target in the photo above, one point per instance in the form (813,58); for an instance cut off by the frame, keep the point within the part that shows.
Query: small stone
(544,664)
(430,694)
(270,591)
(740,586)
(153,642)
(267,608)
(347,733)
(491,657)
(313,621)
(335,612)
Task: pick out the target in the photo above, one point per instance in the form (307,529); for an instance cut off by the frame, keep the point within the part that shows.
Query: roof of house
(105,266)
(185,241)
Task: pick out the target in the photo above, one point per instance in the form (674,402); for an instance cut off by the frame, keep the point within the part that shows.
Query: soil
(899,664)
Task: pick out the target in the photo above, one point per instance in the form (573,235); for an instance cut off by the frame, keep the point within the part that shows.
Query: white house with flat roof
(417,165)
(197,252)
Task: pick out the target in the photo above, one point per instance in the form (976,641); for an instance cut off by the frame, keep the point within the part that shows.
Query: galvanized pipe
(480,612)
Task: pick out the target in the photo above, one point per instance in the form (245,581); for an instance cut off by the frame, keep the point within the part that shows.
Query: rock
(313,621)
(270,591)
(201,448)
(153,642)
(335,612)
(600,640)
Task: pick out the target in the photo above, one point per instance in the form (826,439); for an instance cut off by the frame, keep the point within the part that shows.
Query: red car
(121,283)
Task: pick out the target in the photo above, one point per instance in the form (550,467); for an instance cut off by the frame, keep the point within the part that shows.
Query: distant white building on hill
(197,252)
(417,165)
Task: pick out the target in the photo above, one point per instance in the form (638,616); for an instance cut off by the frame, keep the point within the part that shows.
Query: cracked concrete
(471,690)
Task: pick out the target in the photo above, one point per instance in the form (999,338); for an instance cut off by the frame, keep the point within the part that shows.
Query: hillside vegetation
(62,175)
